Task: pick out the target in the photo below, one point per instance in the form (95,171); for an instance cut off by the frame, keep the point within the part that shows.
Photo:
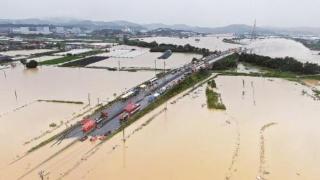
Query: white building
(60,30)
(43,30)
(21,30)
(28,30)
(75,30)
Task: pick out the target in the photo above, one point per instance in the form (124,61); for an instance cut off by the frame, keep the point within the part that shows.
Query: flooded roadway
(269,131)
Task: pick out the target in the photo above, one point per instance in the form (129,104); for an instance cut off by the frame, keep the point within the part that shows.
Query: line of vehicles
(150,90)
(89,124)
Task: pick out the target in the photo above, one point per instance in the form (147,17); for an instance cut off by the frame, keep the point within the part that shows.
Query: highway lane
(168,81)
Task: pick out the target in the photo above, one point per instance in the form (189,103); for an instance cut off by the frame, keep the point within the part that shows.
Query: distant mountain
(171,32)
(121,25)
(75,22)
(296,30)
(98,25)
(235,28)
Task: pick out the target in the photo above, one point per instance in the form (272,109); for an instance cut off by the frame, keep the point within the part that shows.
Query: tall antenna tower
(253,32)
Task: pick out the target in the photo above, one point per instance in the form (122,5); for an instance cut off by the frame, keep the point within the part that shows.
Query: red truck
(129,110)
(90,124)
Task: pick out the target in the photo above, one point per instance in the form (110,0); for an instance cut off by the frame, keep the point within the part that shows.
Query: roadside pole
(89,101)
(4,73)
(155,67)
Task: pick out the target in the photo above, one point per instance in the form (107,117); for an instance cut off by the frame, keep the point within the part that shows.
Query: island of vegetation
(228,62)
(286,64)
(213,100)
(32,64)
(231,41)
(155,47)
(311,44)
(287,68)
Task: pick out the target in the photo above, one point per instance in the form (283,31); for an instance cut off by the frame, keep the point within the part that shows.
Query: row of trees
(281,64)
(155,47)
(311,44)
(226,63)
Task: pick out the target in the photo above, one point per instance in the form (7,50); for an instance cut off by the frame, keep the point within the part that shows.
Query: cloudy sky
(281,13)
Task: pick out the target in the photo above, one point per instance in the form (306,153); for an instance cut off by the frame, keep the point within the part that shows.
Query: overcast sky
(282,13)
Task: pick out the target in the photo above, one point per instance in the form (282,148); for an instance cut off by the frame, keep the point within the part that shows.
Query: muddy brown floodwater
(25,121)
(148,60)
(268,132)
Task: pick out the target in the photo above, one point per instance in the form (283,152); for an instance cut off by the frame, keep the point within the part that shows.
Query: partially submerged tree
(32,64)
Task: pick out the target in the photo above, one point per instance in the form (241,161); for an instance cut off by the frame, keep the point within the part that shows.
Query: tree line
(155,47)
(288,64)
(228,62)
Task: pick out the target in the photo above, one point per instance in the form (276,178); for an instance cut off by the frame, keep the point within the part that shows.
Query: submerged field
(33,100)
(268,130)
(147,60)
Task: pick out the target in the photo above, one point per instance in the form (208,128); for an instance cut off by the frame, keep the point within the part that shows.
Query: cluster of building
(46,30)
(7,44)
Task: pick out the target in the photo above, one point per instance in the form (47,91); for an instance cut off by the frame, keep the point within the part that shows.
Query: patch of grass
(213,100)
(52,125)
(315,77)
(316,92)
(59,60)
(69,58)
(212,83)
(61,101)
(43,143)
(267,73)
(83,62)
(229,62)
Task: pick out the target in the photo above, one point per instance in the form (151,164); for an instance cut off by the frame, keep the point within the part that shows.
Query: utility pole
(118,65)
(16,95)
(41,174)
(89,101)
(124,149)
(155,67)
(4,73)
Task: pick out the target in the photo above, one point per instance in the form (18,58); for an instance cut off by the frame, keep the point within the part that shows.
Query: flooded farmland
(273,47)
(25,119)
(268,131)
(74,84)
(210,42)
(147,60)
(45,58)
(25,52)
(278,47)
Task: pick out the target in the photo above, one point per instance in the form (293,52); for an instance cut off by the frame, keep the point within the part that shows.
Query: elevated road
(142,97)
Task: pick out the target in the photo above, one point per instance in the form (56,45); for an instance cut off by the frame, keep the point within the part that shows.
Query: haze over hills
(96,25)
